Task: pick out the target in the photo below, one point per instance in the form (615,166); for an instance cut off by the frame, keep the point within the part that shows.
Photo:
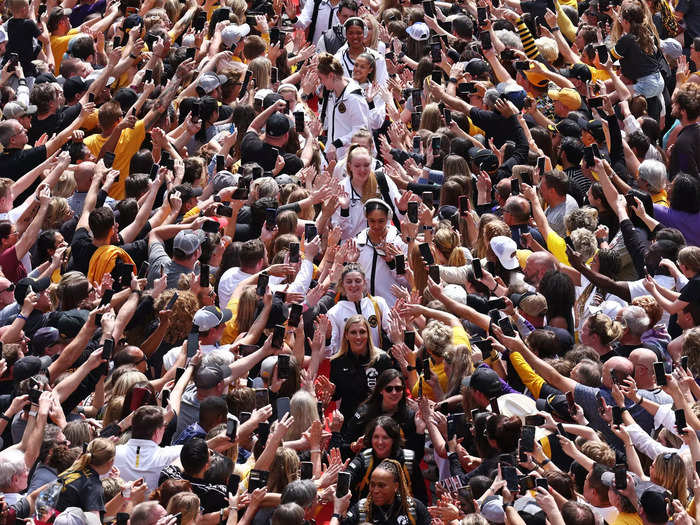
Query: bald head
(516,210)
(642,357)
(539,263)
(83,175)
(621,365)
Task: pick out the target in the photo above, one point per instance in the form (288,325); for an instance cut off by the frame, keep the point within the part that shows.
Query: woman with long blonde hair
(81,482)
(668,470)
(186,503)
(284,470)
(303,407)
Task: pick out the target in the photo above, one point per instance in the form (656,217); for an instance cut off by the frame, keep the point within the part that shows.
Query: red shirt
(13,268)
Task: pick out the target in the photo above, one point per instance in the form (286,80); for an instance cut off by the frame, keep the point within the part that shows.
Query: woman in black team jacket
(355,368)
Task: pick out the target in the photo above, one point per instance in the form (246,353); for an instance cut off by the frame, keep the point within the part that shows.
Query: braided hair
(393,466)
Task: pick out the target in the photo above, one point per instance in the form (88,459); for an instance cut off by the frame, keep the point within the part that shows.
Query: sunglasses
(390,389)
(10,288)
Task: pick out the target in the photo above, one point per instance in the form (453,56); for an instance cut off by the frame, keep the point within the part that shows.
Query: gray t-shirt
(158,257)
(556,214)
(189,409)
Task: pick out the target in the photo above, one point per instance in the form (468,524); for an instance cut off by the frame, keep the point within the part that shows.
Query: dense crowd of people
(336,262)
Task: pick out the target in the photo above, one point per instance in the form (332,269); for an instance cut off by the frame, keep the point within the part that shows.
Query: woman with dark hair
(389,500)
(355,31)
(684,210)
(208,115)
(230,259)
(365,74)
(384,437)
(560,293)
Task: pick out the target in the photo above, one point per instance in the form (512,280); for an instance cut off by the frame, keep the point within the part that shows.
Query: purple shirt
(687,223)
(82,11)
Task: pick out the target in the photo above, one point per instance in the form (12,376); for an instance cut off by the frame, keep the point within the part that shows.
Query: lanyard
(336,103)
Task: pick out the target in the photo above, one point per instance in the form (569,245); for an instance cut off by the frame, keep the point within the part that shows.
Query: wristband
(3,416)
(337,516)
(305,97)
(371,104)
(294,20)
(555,29)
(546,460)
(20,316)
(507,504)
(337,143)
(453,80)
(408,239)
(409,368)
(494,288)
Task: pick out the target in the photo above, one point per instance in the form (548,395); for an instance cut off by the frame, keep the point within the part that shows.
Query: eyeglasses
(389,389)
(10,288)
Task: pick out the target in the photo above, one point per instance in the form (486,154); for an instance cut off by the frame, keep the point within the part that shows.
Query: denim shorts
(650,85)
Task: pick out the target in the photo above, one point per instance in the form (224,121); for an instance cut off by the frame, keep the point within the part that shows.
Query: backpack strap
(367,455)
(384,188)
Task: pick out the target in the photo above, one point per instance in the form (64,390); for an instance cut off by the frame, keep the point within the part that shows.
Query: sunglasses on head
(390,389)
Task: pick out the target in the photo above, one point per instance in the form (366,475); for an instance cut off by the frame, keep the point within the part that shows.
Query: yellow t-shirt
(231,331)
(626,518)
(557,246)
(128,145)
(660,198)
(439,371)
(59,46)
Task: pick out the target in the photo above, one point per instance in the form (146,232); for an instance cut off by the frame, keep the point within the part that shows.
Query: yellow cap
(567,96)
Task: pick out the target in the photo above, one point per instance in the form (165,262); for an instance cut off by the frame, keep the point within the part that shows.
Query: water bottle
(45,508)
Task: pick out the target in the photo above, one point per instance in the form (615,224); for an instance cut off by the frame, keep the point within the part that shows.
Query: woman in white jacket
(360,186)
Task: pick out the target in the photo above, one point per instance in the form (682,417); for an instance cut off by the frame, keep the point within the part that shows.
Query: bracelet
(410,368)
(32,413)
(134,57)
(20,316)
(408,239)
(507,504)
(3,416)
(452,80)
(337,516)
(494,288)
(314,450)
(555,29)
(546,460)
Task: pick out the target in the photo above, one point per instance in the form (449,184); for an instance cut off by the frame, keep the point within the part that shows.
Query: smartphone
(107,349)
(451,427)
(263,280)
(596,151)
(122,518)
(306,470)
(409,339)
(697,467)
(193,342)
(660,373)
(602,51)
(522,65)
(511,476)
(262,397)
(684,362)
(485,345)
(278,337)
(34,395)
(239,194)
(595,102)
(263,432)
(282,296)
(485,38)
(515,187)
(231,427)
(620,477)
(232,486)
(270,218)
(171,302)
(506,327)
(434,273)
(294,252)
(542,483)
(204,281)
(436,76)
(526,483)
(343,484)
(616,416)
(295,315)
(244,85)
(299,121)
(588,156)
(116,42)
(282,405)
(243,417)
(415,120)
(109,159)
(413,211)
(429,8)
(178,373)
(200,21)
(274,75)
(572,403)
(495,315)
(435,144)
(680,420)
(482,15)
(494,405)
(319,409)
(496,304)
(257,479)
(426,369)
(138,397)
(190,53)
(448,116)
(527,438)
(534,420)
(425,252)
(400,264)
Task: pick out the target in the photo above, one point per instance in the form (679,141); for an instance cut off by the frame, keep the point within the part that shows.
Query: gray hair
(509,39)
(654,173)
(490,97)
(11,464)
(301,491)
(267,187)
(144,513)
(218,356)
(585,242)
(635,319)
(7,131)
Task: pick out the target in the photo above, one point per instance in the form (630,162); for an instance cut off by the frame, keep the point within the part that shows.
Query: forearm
(244,364)
(68,385)
(154,340)
(72,351)
(32,233)
(126,312)
(130,232)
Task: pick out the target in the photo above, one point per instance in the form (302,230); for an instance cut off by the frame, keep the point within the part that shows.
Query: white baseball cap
(505,248)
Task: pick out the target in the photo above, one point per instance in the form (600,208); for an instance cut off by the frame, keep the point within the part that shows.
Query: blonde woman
(284,469)
(360,186)
(261,68)
(186,503)
(303,407)
(82,487)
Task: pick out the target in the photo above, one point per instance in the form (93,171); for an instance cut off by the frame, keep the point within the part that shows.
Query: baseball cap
(418,31)
(532,303)
(277,125)
(43,338)
(211,375)
(70,322)
(530,511)
(224,179)
(476,67)
(55,17)
(595,128)
(17,109)
(579,71)
(71,516)
(260,94)
(671,48)
(187,241)
(567,128)
(21,287)
(210,81)
(505,248)
(484,380)
(232,34)
(484,158)
(26,367)
(267,366)
(132,20)
(73,86)
(567,96)
(210,317)
(535,78)
(456,293)
(44,78)
(652,498)
(187,191)
(609,308)
(555,404)
(270,99)
(492,509)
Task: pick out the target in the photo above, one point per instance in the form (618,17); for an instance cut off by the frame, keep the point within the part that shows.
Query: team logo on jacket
(371,377)
(372,321)
(402,520)
(341,107)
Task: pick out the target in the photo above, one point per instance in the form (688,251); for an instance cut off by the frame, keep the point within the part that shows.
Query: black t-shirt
(17,162)
(55,123)
(685,155)
(494,124)
(255,150)
(82,489)
(82,250)
(634,62)
(21,33)
(691,291)
(212,497)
